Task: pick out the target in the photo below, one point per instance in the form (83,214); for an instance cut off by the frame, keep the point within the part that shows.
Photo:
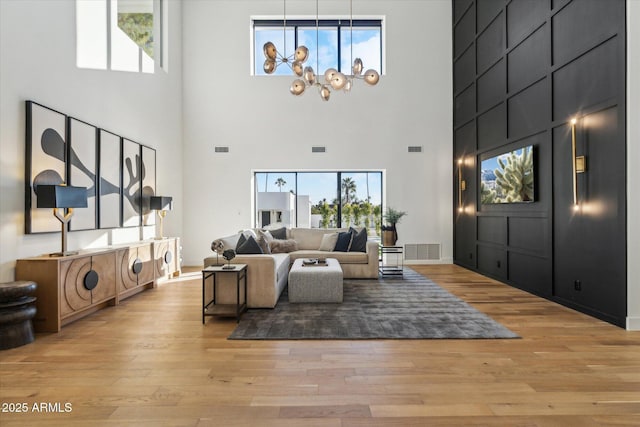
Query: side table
(391,260)
(210,308)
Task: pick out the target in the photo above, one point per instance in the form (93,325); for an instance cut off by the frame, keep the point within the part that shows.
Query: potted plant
(389,230)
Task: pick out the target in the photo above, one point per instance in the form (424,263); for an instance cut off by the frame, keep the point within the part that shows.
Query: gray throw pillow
(248,246)
(280,233)
(359,241)
(344,241)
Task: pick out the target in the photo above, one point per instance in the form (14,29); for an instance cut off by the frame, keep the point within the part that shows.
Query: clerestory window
(121,35)
(339,42)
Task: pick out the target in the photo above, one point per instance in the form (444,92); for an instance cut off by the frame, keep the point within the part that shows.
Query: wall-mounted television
(508,177)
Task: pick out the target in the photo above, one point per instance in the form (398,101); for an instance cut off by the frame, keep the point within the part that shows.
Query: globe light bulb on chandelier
(333,79)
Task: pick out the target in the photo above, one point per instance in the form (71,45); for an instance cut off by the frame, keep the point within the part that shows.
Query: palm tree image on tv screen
(508,178)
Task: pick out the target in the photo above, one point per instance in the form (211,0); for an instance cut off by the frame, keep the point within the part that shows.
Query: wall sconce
(62,197)
(161,204)
(462,185)
(579,163)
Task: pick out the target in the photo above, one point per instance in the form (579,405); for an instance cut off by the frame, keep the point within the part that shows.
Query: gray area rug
(409,307)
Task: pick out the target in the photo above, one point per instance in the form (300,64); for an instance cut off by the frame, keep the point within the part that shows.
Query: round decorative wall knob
(91,280)
(136,267)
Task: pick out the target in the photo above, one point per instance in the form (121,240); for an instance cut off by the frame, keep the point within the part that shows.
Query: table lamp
(61,197)
(161,204)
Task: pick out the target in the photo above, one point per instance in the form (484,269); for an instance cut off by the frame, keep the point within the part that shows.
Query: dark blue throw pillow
(359,240)
(248,246)
(344,241)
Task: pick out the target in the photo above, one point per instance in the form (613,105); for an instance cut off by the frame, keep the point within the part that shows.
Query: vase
(389,238)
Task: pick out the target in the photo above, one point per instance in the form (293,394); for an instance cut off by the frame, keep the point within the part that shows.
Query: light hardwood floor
(150,361)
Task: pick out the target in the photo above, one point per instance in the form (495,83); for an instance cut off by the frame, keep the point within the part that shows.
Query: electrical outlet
(577,285)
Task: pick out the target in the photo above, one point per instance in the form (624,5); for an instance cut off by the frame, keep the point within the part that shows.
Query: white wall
(633,174)
(266,127)
(37,62)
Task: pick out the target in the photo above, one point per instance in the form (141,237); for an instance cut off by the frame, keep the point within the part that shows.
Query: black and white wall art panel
(45,163)
(110,174)
(148,184)
(82,171)
(131,184)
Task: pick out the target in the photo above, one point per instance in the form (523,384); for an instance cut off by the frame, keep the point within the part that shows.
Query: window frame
(339,176)
(160,24)
(338,23)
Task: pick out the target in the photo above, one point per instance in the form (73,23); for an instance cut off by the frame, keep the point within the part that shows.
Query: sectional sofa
(267,273)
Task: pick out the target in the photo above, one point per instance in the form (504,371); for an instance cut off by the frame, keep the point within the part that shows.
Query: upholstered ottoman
(315,283)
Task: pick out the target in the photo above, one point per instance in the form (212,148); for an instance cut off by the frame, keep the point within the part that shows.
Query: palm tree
(367,210)
(368,196)
(280,183)
(349,188)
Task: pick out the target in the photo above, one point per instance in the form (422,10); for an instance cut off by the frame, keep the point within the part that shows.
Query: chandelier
(332,79)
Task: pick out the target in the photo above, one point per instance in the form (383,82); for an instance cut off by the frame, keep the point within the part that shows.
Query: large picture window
(319,199)
(332,38)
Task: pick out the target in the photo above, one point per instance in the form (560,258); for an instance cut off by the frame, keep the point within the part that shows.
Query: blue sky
(492,163)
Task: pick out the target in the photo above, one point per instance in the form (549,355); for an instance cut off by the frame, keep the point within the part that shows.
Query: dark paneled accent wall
(522,70)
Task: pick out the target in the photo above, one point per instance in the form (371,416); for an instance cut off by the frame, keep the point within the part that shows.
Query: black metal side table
(391,260)
(210,308)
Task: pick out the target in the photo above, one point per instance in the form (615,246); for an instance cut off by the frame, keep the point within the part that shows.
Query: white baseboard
(633,323)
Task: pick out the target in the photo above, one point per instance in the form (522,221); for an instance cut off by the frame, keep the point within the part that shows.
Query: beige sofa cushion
(311,238)
(328,242)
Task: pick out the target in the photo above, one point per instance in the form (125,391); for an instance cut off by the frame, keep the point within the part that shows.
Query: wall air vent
(422,251)
(318,149)
(415,149)
(222,149)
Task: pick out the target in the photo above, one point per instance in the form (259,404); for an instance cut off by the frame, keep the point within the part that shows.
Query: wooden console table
(72,287)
